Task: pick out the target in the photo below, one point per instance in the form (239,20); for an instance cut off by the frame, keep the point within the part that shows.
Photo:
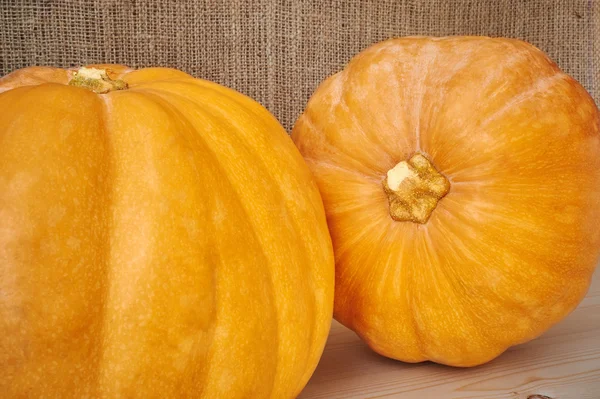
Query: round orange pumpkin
(160,237)
(461,182)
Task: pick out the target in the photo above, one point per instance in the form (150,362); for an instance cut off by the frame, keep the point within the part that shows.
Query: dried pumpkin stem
(414,188)
(96,80)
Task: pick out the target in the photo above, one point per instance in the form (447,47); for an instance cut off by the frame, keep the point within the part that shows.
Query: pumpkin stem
(96,80)
(414,188)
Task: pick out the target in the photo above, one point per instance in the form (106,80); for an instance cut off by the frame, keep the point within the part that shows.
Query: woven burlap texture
(278,51)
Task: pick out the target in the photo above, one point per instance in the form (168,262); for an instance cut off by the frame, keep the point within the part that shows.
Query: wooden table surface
(564,363)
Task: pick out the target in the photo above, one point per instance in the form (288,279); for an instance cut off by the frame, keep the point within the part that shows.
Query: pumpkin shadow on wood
(341,358)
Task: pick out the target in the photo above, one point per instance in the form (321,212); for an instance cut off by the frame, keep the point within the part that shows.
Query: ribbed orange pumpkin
(161,241)
(461,181)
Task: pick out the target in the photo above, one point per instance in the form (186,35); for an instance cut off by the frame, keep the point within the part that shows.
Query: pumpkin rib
(308,372)
(439,99)
(133,125)
(232,187)
(307,119)
(184,133)
(394,81)
(456,281)
(451,281)
(460,220)
(32,76)
(403,274)
(335,104)
(511,306)
(421,79)
(510,63)
(386,264)
(416,330)
(38,229)
(420,331)
(314,306)
(351,242)
(227,93)
(234,130)
(189,128)
(440,92)
(540,86)
(519,56)
(184,120)
(106,105)
(20,90)
(342,104)
(517,192)
(400,290)
(329,165)
(345,307)
(360,66)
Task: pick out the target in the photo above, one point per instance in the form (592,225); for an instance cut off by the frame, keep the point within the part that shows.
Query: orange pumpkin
(162,239)
(461,182)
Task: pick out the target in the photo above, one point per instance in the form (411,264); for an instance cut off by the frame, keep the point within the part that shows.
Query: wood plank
(563,363)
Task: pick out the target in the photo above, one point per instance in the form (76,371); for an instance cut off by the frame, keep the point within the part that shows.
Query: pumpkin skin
(162,241)
(510,249)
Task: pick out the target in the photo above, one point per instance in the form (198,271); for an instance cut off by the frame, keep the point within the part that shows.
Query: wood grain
(564,363)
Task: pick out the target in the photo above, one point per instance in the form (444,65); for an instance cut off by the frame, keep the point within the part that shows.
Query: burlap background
(278,51)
